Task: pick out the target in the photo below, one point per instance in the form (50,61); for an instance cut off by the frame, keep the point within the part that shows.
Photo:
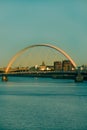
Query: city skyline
(60,23)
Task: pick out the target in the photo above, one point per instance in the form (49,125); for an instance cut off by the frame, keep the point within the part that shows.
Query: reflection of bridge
(52,74)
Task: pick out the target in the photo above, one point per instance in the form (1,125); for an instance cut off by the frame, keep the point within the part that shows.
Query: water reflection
(43,104)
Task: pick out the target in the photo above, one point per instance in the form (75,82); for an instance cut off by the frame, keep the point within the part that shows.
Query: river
(42,104)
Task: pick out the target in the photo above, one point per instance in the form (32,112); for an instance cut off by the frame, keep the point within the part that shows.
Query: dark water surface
(43,104)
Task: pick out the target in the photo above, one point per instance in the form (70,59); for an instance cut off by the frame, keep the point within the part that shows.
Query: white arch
(47,45)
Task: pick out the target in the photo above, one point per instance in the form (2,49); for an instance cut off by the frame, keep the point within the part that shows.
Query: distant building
(57,65)
(67,65)
(42,67)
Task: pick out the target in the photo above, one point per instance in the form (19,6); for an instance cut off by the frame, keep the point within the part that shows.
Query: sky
(62,23)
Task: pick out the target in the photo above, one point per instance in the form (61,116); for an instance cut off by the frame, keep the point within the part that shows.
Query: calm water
(43,104)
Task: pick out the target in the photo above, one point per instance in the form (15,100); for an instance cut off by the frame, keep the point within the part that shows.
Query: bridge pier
(4,78)
(79,77)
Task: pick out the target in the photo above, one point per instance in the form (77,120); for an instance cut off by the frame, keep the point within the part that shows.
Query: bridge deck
(47,74)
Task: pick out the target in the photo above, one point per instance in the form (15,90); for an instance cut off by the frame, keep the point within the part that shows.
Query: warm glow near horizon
(62,23)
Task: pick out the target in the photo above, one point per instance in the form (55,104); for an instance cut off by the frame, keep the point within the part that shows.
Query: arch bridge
(36,45)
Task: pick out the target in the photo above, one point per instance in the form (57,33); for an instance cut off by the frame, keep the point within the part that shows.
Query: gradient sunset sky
(63,23)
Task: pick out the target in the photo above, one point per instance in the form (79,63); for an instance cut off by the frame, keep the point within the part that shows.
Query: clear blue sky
(62,23)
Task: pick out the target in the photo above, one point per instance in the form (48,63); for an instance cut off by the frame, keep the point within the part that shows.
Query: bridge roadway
(47,74)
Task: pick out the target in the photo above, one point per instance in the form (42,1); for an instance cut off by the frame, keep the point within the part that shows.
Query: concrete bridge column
(4,78)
